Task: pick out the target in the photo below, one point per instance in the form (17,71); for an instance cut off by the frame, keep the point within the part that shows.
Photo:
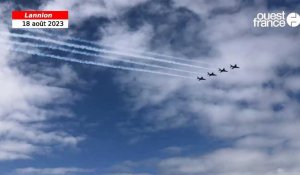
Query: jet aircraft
(211,74)
(222,70)
(234,66)
(199,79)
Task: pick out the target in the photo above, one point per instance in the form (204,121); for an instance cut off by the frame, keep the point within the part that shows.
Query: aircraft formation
(220,70)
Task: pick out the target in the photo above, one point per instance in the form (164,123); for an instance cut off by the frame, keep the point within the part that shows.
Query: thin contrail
(97,64)
(100,56)
(99,50)
(109,46)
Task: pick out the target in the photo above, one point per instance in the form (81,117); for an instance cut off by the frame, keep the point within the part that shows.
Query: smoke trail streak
(97,63)
(100,56)
(99,50)
(111,47)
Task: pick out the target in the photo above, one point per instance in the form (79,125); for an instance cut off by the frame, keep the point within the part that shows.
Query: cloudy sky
(64,118)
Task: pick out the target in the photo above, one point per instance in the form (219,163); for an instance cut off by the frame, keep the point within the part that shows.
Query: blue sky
(62,118)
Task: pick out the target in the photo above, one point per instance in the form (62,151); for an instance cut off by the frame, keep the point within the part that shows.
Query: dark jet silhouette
(199,79)
(234,66)
(222,70)
(211,74)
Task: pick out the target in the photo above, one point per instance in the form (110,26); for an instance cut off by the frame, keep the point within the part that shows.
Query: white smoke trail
(97,63)
(99,50)
(111,47)
(100,56)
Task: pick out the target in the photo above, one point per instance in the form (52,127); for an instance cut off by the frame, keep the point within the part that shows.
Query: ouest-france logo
(276,19)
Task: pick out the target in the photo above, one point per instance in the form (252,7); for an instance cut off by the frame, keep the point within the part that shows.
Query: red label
(39,15)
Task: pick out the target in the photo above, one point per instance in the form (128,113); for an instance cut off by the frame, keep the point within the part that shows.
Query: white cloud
(119,37)
(204,7)
(51,171)
(81,10)
(25,100)
(234,161)
(251,107)
(293,83)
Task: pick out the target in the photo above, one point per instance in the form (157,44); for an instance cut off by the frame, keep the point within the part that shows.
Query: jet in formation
(211,74)
(234,66)
(200,78)
(220,70)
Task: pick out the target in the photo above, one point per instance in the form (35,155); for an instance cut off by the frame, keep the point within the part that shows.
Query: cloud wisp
(52,171)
